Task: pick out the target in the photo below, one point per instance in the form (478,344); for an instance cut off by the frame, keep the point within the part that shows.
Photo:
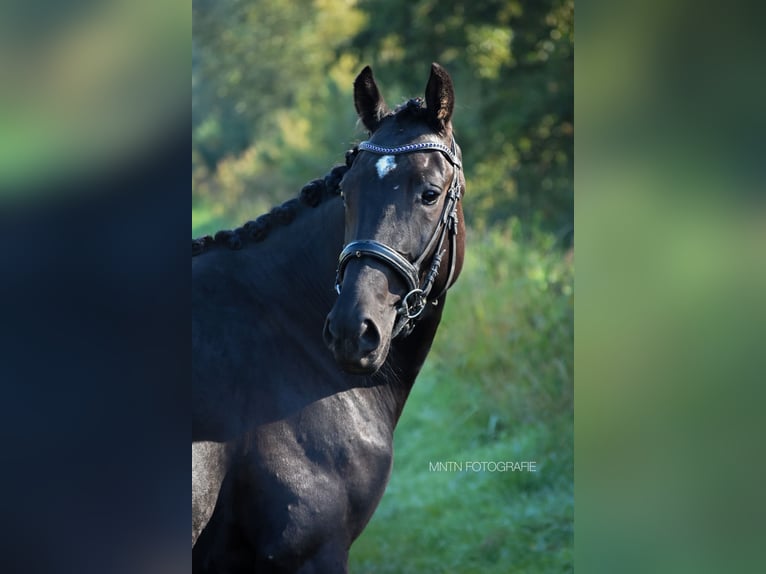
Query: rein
(414,302)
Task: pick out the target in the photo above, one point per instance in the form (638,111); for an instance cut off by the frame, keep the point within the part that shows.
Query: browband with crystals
(413,147)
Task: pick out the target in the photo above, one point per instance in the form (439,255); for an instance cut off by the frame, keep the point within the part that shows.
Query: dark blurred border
(94,354)
(95,370)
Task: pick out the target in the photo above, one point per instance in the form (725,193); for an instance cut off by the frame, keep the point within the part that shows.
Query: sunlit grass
(497,387)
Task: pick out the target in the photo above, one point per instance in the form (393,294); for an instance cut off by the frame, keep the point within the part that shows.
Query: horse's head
(404,224)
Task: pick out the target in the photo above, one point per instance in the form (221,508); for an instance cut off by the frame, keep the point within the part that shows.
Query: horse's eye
(429,196)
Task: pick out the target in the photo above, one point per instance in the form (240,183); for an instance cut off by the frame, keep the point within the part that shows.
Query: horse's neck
(405,360)
(285,288)
(309,248)
(296,263)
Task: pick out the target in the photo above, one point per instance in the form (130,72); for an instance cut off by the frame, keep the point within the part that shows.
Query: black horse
(304,351)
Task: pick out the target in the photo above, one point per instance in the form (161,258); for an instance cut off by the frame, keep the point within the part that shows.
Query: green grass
(496,387)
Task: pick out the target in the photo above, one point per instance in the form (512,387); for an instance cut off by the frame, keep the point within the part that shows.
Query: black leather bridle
(414,302)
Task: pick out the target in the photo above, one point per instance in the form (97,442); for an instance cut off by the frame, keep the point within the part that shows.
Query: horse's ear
(368,101)
(440,97)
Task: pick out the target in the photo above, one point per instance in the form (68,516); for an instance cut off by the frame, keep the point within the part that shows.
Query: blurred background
(87,89)
(671,278)
(272,101)
(272,108)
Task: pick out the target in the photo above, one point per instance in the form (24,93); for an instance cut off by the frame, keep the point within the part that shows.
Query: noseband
(414,302)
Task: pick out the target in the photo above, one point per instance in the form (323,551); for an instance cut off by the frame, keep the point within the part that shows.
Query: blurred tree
(513,66)
(271,84)
(266,77)
(248,61)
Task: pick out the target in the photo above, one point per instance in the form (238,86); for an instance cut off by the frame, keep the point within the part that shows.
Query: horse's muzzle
(355,343)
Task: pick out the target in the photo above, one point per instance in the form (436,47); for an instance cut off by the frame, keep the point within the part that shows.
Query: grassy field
(496,387)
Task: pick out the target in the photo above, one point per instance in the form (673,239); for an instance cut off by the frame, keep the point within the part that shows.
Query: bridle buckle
(411,309)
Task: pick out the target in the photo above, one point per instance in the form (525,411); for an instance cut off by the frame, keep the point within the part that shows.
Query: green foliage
(272,96)
(497,387)
(513,66)
(270,102)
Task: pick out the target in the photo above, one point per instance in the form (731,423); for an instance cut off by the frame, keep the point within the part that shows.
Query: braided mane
(311,195)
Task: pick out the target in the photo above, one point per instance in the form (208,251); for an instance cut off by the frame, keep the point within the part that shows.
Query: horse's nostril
(351,344)
(369,338)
